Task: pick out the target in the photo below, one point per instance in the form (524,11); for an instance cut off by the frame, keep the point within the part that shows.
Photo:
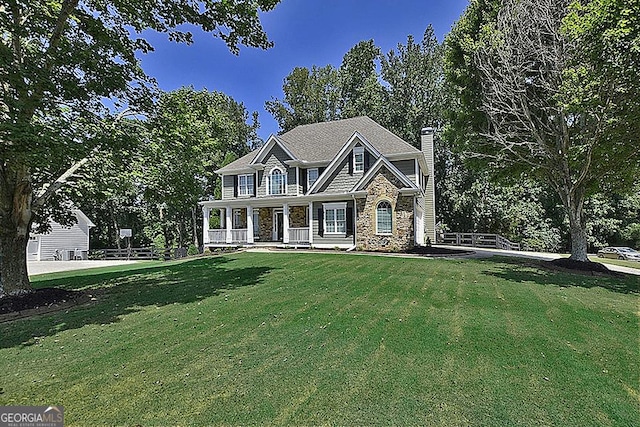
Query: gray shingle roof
(319,142)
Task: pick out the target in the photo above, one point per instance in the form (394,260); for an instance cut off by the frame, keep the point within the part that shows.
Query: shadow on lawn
(543,273)
(121,293)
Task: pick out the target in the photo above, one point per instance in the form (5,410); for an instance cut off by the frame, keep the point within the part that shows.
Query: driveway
(42,267)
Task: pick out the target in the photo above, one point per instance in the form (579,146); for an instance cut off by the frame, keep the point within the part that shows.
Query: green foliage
(414,79)
(613,220)
(58,61)
(550,87)
(192,250)
(470,201)
(310,96)
(631,235)
(153,185)
(361,92)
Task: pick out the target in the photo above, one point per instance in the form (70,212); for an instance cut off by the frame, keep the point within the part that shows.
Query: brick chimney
(426,142)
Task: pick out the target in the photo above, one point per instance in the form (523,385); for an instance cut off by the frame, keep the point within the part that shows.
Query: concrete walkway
(42,267)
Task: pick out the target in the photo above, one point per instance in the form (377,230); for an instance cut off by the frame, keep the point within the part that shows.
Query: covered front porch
(243,226)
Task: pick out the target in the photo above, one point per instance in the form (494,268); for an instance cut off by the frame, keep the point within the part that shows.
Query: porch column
(310,221)
(221,216)
(249,224)
(229,223)
(285,223)
(205,224)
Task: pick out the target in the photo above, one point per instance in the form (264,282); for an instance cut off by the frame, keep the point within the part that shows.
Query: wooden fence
(478,240)
(139,253)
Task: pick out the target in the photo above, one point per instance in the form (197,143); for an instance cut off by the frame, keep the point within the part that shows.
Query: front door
(277,225)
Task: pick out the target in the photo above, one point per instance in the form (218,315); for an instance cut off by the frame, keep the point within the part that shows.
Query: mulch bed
(583,267)
(438,251)
(39,301)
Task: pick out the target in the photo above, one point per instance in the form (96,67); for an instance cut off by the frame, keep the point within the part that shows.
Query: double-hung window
(245,185)
(335,218)
(312,176)
(277,182)
(358,159)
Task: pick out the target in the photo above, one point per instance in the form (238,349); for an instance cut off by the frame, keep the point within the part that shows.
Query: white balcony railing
(218,236)
(239,235)
(299,235)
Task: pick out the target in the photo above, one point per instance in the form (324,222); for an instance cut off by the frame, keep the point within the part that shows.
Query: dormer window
(277,182)
(358,159)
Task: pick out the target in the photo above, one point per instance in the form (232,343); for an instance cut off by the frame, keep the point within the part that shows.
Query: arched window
(383,217)
(277,182)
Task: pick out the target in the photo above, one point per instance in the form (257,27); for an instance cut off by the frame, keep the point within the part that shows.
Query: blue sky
(305,33)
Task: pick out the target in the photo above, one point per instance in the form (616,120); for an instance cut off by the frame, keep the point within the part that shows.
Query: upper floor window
(383,217)
(245,185)
(277,182)
(312,176)
(358,159)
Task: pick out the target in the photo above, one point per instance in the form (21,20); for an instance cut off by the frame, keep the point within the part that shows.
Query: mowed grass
(332,339)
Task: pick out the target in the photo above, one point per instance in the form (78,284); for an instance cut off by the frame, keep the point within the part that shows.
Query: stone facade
(298,216)
(385,187)
(266,224)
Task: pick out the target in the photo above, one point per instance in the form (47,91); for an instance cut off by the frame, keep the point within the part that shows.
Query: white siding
(64,239)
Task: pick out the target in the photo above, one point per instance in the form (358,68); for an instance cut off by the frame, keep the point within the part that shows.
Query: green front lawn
(332,339)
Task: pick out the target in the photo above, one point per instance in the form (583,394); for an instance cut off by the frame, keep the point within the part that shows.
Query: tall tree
(108,189)
(361,92)
(58,60)
(414,78)
(544,100)
(310,96)
(191,134)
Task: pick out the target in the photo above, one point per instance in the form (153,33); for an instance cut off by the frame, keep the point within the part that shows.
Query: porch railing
(299,235)
(239,235)
(218,236)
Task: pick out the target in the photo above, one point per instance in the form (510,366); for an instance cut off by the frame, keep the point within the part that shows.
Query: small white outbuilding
(62,243)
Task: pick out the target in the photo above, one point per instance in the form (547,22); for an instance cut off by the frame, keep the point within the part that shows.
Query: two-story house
(347,184)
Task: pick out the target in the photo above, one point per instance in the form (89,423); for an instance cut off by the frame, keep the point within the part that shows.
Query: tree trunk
(14,278)
(574,202)
(116,228)
(15,217)
(194,222)
(181,232)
